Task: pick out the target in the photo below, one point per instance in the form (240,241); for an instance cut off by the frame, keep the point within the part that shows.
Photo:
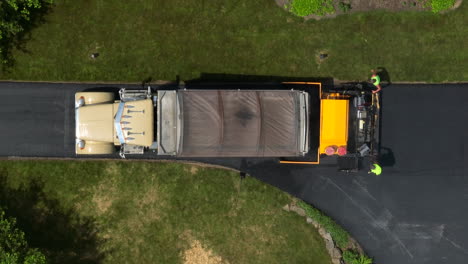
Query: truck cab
(102,123)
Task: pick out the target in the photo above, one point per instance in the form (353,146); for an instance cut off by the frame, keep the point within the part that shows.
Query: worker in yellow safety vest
(375,79)
(376,169)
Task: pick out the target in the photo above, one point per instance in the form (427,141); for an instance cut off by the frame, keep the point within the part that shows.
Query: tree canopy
(14,248)
(16,16)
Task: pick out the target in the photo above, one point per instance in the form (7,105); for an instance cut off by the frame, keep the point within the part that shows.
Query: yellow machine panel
(333,123)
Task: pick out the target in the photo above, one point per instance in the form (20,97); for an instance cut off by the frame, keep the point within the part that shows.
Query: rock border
(335,252)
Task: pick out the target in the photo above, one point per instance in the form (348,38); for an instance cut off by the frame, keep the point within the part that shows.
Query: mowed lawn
(140,212)
(162,39)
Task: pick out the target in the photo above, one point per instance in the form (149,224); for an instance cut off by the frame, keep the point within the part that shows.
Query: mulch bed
(370,5)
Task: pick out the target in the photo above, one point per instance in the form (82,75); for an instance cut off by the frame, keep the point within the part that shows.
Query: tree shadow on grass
(59,233)
(10,42)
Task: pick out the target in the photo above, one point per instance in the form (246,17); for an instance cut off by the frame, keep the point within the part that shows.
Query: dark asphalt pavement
(415,212)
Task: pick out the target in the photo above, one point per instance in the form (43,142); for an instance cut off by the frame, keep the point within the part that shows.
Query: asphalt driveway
(415,212)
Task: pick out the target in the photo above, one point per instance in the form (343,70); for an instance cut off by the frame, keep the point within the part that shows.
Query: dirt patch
(128,231)
(321,56)
(193,169)
(197,254)
(104,195)
(354,6)
(150,205)
(112,168)
(103,203)
(150,197)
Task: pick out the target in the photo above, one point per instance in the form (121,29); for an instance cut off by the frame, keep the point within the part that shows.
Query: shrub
(338,234)
(349,256)
(352,257)
(441,5)
(344,7)
(307,7)
(13,246)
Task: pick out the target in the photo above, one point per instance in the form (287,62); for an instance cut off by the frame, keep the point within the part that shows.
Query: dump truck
(296,122)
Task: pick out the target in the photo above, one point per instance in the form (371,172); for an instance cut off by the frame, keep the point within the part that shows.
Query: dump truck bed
(233,123)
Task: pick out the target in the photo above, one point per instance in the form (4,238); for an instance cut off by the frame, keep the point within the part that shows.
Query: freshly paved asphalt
(415,212)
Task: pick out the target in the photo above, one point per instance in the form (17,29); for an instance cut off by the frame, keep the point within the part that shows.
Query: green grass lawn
(162,39)
(139,212)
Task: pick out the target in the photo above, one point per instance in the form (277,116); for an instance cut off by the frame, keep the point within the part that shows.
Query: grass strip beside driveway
(162,39)
(140,212)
